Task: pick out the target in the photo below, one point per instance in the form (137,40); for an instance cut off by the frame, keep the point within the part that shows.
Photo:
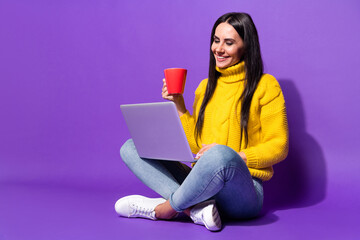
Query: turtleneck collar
(232,74)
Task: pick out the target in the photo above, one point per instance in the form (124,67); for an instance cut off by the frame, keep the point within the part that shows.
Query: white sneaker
(206,214)
(137,206)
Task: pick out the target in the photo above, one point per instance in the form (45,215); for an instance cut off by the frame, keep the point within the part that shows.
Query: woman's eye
(216,40)
(229,43)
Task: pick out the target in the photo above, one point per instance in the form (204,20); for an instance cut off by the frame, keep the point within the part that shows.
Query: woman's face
(227,46)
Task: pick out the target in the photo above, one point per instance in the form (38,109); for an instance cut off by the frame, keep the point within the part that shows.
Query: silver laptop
(157,131)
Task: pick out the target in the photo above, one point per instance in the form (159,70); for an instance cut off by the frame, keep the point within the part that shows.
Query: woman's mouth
(221,58)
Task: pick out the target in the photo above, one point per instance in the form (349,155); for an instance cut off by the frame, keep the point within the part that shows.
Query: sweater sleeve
(188,121)
(273,146)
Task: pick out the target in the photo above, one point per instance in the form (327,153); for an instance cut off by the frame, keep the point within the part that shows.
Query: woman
(238,130)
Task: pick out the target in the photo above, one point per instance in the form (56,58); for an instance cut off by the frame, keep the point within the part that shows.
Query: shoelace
(141,211)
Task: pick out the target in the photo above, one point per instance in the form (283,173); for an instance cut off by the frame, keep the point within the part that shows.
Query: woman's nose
(219,48)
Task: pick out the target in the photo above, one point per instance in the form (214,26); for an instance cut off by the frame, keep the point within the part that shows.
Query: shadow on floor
(262,220)
(301,179)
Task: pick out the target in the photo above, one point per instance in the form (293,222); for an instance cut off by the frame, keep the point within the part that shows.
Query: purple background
(66,66)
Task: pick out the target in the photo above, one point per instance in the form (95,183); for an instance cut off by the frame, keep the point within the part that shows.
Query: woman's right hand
(178,99)
(171,97)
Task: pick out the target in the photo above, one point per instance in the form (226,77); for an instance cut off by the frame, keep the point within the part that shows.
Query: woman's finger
(166,96)
(201,151)
(165,92)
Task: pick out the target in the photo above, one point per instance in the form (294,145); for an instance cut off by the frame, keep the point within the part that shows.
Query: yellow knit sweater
(267,126)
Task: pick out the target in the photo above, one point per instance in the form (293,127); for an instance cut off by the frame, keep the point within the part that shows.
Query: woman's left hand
(204,148)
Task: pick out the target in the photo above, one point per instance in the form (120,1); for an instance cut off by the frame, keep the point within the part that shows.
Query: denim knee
(126,149)
(222,156)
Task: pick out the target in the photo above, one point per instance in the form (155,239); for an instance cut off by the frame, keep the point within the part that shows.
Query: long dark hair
(245,27)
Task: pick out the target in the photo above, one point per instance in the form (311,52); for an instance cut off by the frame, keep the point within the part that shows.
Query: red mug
(175,80)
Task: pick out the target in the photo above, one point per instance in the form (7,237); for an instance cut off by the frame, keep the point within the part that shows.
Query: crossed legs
(219,174)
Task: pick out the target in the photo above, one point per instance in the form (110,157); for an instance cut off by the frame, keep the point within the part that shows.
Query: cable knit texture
(267,126)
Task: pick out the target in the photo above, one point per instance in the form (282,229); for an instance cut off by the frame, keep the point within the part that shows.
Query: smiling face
(227,46)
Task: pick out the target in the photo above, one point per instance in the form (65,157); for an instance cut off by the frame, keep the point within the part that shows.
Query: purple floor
(66,66)
(38,210)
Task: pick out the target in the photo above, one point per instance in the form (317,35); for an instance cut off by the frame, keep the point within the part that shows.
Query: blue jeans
(219,174)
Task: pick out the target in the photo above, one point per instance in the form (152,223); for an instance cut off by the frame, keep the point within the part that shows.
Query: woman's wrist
(180,104)
(181,111)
